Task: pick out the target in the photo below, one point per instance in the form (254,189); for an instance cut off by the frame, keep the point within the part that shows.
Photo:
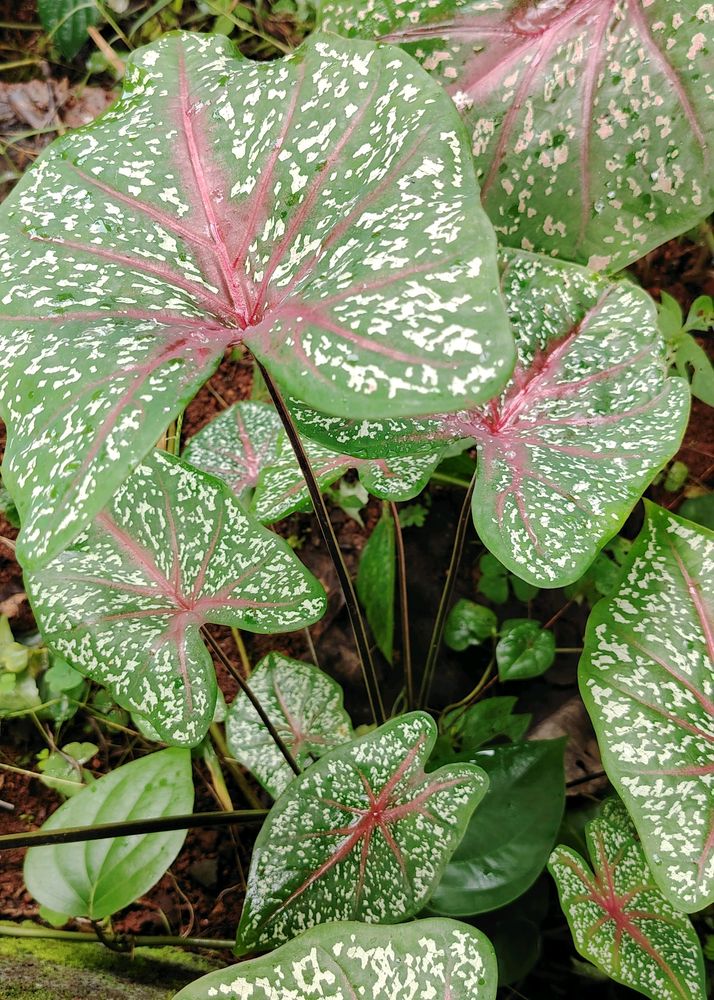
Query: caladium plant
(304,705)
(321,209)
(173,550)
(647,679)
(619,918)
(578,433)
(590,121)
(429,958)
(362,834)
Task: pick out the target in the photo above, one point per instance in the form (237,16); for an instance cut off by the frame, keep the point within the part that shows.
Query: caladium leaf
(427,958)
(281,488)
(584,424)
(304,705)
(173,550)
(98,878)
(590,122)
(647,679)
(237,445)
(320,209)
(620,920)
(363,834)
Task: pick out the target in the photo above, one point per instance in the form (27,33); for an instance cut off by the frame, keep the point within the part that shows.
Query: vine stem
(235,674)
(129,828)
(138,941)
(403,607)
(369,673)
(438,631)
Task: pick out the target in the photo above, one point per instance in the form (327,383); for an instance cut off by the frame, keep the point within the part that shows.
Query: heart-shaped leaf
(425,959)
(619,919)
(647,679)
(509,837)
(590,122)
(237,445)
(304,705)
(173,550)
(363,834)
(469,624)
(322,209)
(586,421)
(98,878)
(524,649)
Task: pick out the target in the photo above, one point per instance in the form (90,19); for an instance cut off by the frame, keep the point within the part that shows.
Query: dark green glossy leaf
(100,877)
(362,834)
(700,510)
(469,624)
(66,23)
(376,582)
(619,919)
(482,723)
(509,838)
(423,959)
(524,650)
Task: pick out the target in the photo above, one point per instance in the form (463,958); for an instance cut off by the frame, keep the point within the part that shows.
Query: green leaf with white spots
(426,959)
(364,834)
(647,679)
(304,705)
(173,551)
(97,878)
(586,421)
(619,919)
(237,445)
(590,122)
(321,209)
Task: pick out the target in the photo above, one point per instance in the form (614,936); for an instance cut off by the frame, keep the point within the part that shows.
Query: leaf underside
(98,878)
(647,679)
(586,421)
(173,551)
(590,121)
(304,705)
(363,834)
(619,919)
(318,208)
(427,959)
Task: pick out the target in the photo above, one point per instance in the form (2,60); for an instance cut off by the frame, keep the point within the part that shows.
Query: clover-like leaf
(237,445)
(322,209)
(590,121)
(619,919)
(173,551)
(304,705)
(427,958)
(647,679)
(98,878)
(363,834)
(584,424)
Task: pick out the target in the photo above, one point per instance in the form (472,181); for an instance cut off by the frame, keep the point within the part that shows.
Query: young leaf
(524,650)
(174,550)
(646,679)
(363,834)
(482,723)
(469,624)
(619,919)
(509,837)
(427,958)
(590,122)
(322,209)
(304,705)
(66,23)
(237,445)
(98,878)
(586,421)
(376,582)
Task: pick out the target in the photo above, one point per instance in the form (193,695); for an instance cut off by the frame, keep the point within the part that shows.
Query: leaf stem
(242,651)
(225,758)
(369,673)
(403,608)
(129,828)
(440,622)
(138,941)
(235,674)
